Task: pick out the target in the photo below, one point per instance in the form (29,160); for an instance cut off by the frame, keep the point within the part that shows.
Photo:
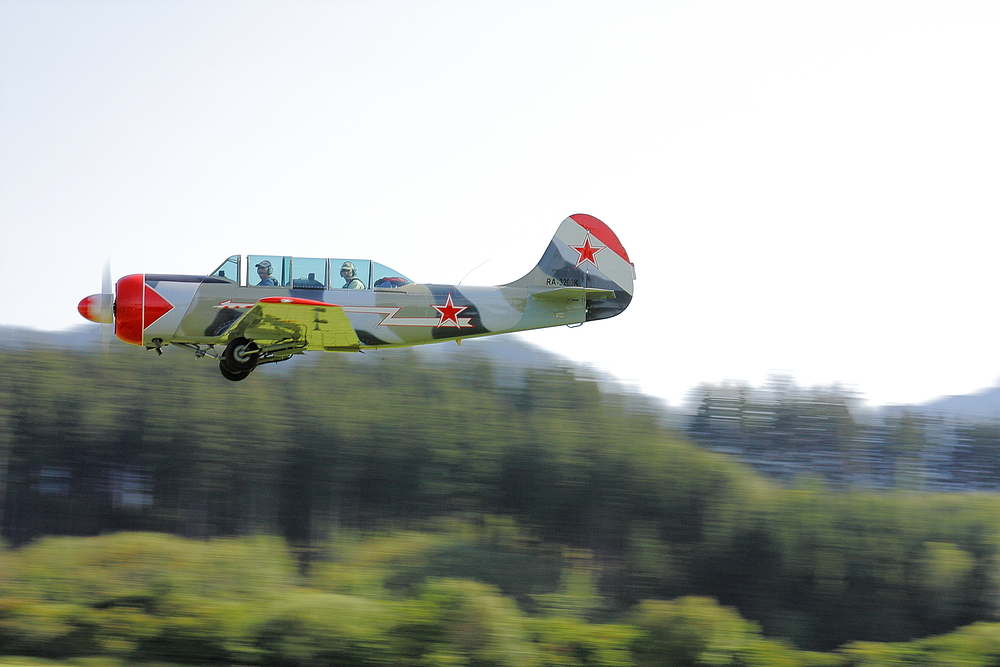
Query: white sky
(804,187)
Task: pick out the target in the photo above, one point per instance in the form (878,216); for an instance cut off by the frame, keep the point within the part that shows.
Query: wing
(319,325)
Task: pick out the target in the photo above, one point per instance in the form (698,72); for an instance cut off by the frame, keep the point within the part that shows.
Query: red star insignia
(587,252)
(449,313)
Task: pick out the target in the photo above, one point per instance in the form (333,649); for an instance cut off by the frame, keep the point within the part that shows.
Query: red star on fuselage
(449,314)
(587,252)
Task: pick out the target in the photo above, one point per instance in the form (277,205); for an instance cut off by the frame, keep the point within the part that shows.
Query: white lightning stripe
(389,318)
(234,304)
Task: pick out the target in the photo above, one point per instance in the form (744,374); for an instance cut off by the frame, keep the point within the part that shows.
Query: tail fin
(585,253)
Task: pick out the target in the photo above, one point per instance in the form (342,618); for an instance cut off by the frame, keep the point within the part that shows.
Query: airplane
(283,306)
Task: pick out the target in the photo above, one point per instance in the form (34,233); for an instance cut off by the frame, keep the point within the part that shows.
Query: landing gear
(238,359)
(241,355)
(233,376)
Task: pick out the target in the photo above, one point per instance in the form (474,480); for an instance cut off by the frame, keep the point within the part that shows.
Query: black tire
(241,355)
(233,376)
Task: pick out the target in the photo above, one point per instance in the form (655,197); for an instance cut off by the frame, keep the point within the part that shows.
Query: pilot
(264,271)
(350,276)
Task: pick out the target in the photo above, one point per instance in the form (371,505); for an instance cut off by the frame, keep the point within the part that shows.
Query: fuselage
(155,310)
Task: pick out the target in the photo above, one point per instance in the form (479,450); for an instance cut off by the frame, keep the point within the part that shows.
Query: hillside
(93,444)
(983,405)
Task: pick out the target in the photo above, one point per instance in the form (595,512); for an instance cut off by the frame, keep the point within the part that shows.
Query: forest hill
(788,432)
(90,445)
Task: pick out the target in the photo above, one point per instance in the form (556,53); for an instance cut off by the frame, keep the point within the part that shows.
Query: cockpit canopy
(309,273)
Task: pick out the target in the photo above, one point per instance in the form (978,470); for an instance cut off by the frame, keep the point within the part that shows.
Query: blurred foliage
(143,598)
(425,513)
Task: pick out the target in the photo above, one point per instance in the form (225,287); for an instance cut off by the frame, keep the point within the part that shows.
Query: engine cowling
(137,305)
(129,308)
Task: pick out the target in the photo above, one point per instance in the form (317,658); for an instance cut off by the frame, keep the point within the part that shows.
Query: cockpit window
(386,278)
(351,273)
(308,273)
(229,269)
(267,270)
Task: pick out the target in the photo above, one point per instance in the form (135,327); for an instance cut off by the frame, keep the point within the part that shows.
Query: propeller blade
(107,308)
(106,278)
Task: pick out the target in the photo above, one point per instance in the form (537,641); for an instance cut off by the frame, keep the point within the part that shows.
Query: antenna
(476,267)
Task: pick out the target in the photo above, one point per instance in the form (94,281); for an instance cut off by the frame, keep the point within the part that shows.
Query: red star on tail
(587,252)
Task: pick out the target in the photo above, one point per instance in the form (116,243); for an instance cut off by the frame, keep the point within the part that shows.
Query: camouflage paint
(584,274)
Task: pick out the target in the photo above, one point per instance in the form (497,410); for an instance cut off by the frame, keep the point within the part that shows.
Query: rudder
(585,253)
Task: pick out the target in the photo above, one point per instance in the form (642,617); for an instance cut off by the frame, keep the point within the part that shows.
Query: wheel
(241,355)
(234,376)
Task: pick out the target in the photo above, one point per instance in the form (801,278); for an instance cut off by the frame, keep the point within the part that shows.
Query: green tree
(689,632)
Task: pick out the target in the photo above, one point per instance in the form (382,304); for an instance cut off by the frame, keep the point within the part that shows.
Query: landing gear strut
(242,355)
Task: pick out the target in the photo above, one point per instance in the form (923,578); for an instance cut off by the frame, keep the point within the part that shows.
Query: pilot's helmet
(348,266)
(266,265)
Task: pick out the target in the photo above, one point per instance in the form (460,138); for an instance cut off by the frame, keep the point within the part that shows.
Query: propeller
(100,308)
(107,307)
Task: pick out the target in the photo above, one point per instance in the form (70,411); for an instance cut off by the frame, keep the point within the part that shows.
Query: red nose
(98,308)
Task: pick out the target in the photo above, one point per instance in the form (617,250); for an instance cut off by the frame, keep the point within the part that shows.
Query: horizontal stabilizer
(574,294)
(320,325)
